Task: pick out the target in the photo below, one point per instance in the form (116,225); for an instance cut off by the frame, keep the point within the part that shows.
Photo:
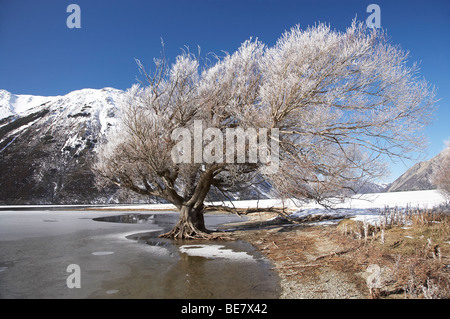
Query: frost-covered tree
(339,103)
(441,171)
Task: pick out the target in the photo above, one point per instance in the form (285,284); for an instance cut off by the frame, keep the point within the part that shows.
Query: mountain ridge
(48,145)
(418,177)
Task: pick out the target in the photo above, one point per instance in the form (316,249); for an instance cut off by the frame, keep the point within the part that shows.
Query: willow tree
(327,108)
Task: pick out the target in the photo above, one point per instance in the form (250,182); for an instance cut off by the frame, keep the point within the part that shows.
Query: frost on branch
(342,103)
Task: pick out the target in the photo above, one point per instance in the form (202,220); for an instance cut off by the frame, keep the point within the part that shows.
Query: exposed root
(187,232)
(191,225)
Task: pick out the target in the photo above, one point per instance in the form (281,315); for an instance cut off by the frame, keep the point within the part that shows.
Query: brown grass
(411,246)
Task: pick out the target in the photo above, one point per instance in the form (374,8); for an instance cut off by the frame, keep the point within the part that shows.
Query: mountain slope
(416,178)
(47,146)
(11,104)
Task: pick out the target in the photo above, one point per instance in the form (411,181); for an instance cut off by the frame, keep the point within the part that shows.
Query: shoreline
(337,257)
(295,251)
(320,256)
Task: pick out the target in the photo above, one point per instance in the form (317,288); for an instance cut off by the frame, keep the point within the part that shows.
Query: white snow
(360,207)
(367,207)
(16,132)
(112,291)
(102,253)
(364,208)
(215,251)
(1,150)
(12,104)
(420,199)
(82,112)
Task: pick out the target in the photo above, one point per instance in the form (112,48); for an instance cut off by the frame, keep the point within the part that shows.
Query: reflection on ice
(164,221)
(129,219)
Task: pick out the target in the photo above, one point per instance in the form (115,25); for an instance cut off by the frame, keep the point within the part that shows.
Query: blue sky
(40,55)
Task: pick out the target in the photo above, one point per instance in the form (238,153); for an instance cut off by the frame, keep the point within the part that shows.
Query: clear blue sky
(40,55)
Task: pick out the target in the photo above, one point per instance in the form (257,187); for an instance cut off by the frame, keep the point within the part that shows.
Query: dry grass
(411,247)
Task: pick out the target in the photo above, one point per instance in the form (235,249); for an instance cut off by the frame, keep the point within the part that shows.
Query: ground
(294,251)
(317,260)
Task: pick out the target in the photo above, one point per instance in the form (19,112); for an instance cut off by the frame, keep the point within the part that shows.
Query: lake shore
(314,253)
(296,251)
(317,259)
(116,255)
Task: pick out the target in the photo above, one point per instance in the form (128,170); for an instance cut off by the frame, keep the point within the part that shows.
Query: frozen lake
(120,256)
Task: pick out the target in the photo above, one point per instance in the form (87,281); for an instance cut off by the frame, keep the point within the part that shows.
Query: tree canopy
(327,107)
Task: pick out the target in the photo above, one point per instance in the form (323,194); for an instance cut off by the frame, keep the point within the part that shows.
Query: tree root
(188,232)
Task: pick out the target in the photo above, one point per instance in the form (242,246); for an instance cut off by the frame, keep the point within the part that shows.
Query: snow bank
(418,199)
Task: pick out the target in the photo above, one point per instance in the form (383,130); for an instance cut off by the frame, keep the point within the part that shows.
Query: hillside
(47,146)
(416,178)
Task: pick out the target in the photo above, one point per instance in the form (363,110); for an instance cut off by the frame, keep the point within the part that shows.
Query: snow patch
(102,253)
(17,133)
(12,104)
(215,251)
(366,208)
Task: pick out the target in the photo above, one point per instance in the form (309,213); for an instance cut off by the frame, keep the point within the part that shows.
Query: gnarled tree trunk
(191,224)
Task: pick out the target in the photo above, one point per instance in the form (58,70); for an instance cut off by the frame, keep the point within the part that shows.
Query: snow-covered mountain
(47,145)
(11,104)
(418,177)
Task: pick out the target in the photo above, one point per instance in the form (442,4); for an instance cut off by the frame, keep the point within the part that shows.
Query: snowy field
(367,207)
(360,207)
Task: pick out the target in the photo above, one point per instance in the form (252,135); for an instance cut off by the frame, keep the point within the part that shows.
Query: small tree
(329,104)
(441,171)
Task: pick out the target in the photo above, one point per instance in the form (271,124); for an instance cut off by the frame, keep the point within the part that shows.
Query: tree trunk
(191,224)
